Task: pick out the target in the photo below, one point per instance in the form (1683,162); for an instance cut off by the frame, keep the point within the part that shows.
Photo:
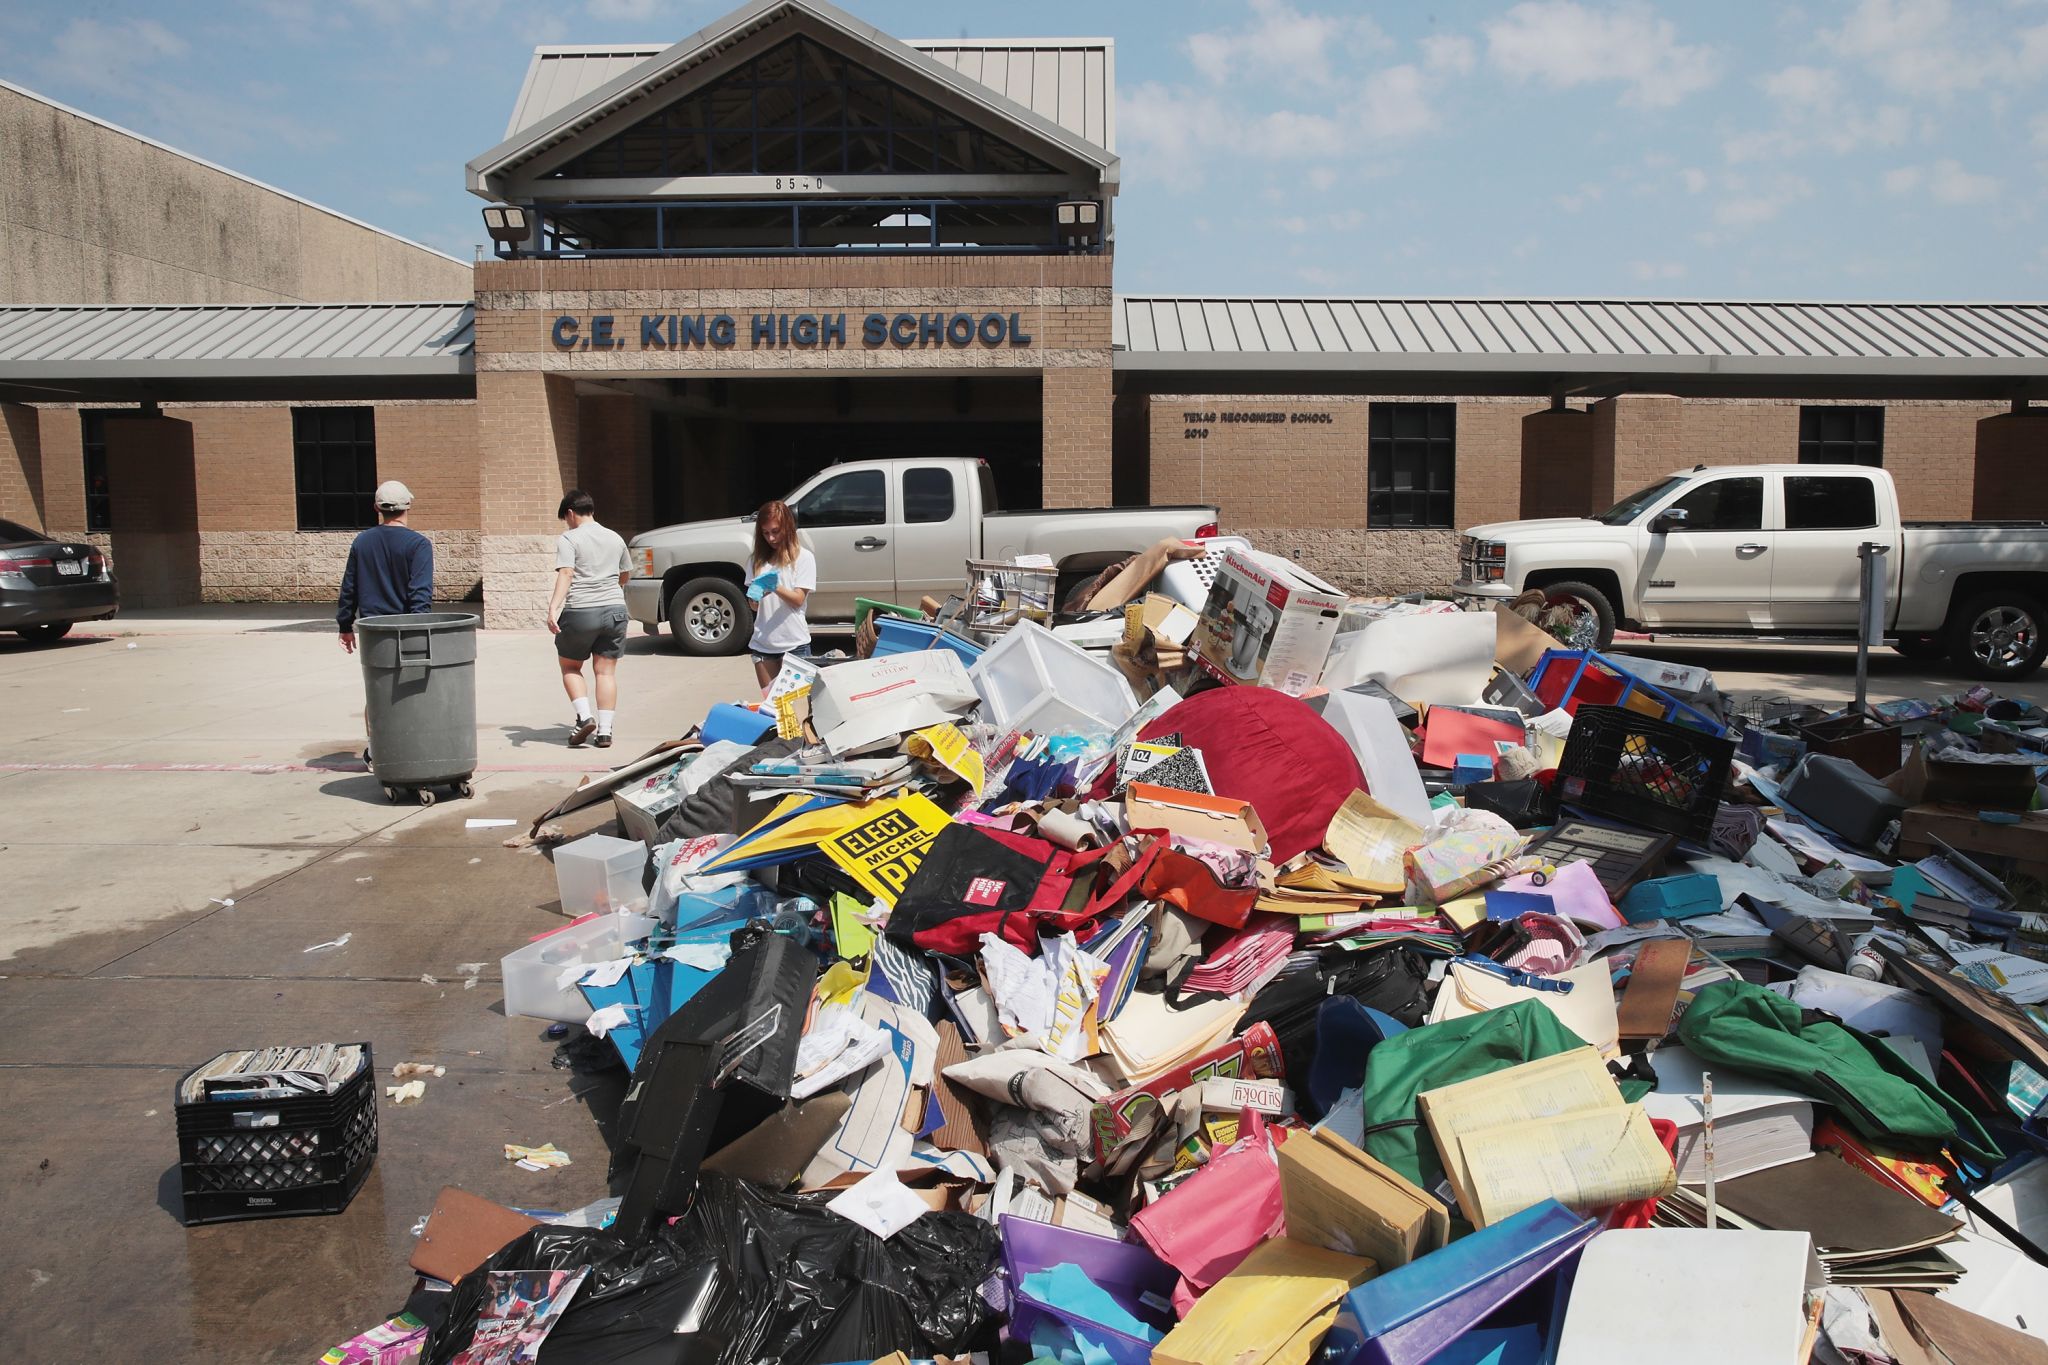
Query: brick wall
(155,505)
(1557,463)
(21,465)
(527,441)
(614,463)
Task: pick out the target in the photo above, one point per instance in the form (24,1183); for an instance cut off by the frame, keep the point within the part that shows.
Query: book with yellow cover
(1568,1083)
(1587,1160)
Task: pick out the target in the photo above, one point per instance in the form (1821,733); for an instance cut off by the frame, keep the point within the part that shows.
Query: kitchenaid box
(1264,624)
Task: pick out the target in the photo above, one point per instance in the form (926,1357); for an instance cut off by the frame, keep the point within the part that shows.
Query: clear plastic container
(1033,680)
(533,974)
(598,873)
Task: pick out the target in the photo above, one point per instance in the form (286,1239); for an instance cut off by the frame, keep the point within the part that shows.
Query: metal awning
(1581,346)
(224,352)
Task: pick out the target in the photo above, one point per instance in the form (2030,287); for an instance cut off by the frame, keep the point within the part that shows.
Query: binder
(1407,1315)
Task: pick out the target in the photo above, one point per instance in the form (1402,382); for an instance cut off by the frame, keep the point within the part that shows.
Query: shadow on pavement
(363,787)
(10,643)
(522,735)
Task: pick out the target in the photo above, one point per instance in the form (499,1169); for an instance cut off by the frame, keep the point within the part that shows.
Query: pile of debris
(1239,971)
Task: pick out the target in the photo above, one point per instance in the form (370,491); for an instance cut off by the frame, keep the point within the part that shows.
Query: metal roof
(1071,81)
(1486,333)
(222,349)
(621,82)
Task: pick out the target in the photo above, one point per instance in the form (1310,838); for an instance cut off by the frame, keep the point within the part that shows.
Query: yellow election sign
(949,747)
(886,842)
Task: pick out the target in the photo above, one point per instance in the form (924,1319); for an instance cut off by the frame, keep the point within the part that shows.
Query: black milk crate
(241,1159)
(1647,772)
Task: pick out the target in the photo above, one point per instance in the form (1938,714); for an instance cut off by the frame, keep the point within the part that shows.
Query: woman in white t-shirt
(780,581)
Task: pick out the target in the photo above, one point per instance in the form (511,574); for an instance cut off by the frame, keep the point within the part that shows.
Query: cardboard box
(1254,1055)
(1218,819)
(643,806)
(855,706)
(1265,625)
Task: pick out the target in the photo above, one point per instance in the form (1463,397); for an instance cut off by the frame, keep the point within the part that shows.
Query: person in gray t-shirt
(587,614)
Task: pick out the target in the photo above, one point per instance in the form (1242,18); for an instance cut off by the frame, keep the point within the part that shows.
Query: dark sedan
(48,585)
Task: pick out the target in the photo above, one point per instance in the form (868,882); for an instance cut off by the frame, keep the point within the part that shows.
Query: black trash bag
(760,1278)
(716,806)
(1523,803)
(1392,979)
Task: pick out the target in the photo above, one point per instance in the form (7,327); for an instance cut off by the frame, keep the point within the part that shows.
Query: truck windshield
(1630,507)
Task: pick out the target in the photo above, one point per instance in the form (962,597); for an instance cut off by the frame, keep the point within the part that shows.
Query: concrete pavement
(170,763)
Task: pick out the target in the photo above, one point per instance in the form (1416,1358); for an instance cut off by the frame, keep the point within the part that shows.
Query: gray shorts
(591,630)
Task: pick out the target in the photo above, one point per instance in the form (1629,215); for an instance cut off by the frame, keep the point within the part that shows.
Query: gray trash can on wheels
(419,700)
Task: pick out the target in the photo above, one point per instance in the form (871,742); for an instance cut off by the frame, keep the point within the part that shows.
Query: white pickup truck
(1770,550)
(893,530)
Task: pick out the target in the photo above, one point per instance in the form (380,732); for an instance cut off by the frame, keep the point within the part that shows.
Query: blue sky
(1817,149)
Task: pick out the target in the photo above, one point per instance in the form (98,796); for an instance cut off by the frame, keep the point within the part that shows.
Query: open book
(1551,1129)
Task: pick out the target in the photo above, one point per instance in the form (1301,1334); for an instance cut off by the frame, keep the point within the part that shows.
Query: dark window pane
(1411,464)
(309,512)
(1816,504)
(1841,435)
(337,424)
(1724,505)
(855,499)
(334,466)
(927,494)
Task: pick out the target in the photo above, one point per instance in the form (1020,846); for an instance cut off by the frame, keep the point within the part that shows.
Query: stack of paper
(1866,1233)
(1757,1125)
(1550,1129)
(1245,961)
(1148,1039)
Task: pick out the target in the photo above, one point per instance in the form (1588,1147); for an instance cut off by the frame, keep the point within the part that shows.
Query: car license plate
(71,566)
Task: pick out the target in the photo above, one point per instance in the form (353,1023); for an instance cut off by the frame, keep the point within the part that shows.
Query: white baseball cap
(393,495)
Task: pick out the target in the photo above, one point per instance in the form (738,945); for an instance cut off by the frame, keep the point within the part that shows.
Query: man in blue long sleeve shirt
(390,567)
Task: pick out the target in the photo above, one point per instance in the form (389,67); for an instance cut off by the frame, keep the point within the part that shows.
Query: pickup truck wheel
(1593,600)
(708,617)
(1998,636)
(1923,648)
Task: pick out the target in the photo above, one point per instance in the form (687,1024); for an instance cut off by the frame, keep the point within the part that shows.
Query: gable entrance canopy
(791,97)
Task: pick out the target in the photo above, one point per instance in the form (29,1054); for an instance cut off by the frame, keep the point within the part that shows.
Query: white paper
(599,974)
(857,705)
(603,1021)
(838,1043)
(474,823)
(1868,1005)
(1738,879)
(1811,845)
(1370,727)
(705,957)
(879,1203)
(1442,658)
(1022,986)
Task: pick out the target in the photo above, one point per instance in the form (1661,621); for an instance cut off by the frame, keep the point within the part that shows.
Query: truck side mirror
(1671,519)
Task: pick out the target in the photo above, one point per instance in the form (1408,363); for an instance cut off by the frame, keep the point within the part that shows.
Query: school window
(334,455)
(1842,435)
(1411,456)
(99,501)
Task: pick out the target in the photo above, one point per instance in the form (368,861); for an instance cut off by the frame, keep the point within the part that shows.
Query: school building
(718,265)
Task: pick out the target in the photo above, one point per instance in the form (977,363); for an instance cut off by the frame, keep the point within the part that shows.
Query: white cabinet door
(845,519)
(1814,571)
(1715,573)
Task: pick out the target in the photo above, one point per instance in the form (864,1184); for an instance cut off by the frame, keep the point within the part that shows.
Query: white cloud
(1695,179)
(1564,44)
(1808,85)
(1573,202)
(1946,182)
(1280,40)
(1647,271)
(1924,48)
(1749,206)
(2041,130)
(1323,178)
(1814,114)
(1395,105)
(628,10)
(141,63)
(1452,52)
(1318,276)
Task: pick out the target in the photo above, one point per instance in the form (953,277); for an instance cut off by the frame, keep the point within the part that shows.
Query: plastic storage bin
(598,873)
(1644,771)
(1125,1271)
(893,635)
(241,1159)
(533,973)
(1032,680)
(1566,679)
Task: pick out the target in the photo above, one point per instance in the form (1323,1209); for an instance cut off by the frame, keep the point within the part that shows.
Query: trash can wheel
(463,790)
(426,796)
(392,794)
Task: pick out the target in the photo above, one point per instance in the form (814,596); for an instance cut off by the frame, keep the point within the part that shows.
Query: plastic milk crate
(242,1159)
(1644,771)
(1567,679)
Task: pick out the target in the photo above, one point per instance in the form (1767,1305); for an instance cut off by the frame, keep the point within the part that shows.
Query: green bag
(1400,1068)
(1880,1095)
